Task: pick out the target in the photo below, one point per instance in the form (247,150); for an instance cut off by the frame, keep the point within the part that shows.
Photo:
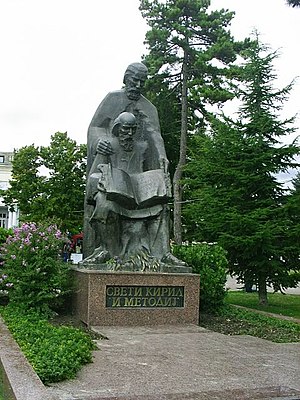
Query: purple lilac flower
(25,227)
(33,226)
(58,234)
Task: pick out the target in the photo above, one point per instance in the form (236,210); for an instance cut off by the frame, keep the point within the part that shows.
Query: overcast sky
(59,58)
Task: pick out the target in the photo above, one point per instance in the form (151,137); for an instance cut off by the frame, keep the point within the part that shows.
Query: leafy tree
(26,183)
(65,161)
(191,55)
(48,182)
(235,196)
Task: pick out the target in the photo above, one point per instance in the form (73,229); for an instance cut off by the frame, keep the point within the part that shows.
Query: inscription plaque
(144,296)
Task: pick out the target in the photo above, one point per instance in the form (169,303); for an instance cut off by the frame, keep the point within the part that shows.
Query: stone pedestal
(132,298)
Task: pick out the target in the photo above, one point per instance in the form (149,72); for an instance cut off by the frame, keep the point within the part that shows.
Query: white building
(8,219)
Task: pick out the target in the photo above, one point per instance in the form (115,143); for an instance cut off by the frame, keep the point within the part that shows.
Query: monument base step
(107,298)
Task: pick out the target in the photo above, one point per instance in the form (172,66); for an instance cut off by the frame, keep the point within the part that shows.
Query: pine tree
(191,54)
(238,200)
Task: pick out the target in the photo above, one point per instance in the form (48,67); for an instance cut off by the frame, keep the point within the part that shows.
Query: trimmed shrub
(210,262)
(56,353)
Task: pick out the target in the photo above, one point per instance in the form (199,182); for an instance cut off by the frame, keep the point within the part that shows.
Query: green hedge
(56,353)
(210,262)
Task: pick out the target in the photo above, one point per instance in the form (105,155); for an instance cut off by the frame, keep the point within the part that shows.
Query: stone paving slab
(186,363)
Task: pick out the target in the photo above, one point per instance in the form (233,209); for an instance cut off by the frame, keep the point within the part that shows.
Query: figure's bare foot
(172,260)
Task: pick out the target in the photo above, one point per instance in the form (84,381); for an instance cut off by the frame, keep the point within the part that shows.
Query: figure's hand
(104,147)
(164,165)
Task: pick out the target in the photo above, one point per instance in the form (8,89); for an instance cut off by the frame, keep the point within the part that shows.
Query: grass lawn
(284,304)
(235,321)
(1,391)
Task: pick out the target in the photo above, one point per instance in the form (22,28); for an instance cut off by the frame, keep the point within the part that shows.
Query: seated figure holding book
(130,216)
(128,183)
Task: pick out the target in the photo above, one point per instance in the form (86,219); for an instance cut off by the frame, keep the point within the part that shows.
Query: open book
(133,191)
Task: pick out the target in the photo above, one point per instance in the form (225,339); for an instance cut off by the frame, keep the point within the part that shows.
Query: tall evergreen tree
(168,105)
(191,55)
(296,184)
(292,209)
(237,199)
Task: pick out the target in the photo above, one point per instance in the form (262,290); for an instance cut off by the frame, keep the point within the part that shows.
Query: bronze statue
(128,184)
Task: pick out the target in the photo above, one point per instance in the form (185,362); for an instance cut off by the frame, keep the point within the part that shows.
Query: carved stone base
(163,268)
(140,261)
(135,298)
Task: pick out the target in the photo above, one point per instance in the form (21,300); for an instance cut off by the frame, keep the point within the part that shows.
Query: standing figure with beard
(125,134)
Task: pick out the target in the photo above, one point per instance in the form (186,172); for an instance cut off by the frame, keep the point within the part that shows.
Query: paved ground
(185,363)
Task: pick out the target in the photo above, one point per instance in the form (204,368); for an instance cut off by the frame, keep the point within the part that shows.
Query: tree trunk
(262,291)
(177,186)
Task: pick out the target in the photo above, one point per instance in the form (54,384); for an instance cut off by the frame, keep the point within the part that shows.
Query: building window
(3,220)
(2,159)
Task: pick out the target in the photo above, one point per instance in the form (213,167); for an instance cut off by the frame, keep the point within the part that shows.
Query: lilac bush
(35,275)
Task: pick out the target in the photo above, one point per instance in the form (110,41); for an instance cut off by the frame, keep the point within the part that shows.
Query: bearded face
(126,134)
(134,83)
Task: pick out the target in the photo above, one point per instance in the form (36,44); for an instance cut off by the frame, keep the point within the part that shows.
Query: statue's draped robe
(122,233)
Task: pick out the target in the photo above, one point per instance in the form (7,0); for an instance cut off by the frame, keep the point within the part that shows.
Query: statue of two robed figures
(128,184)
